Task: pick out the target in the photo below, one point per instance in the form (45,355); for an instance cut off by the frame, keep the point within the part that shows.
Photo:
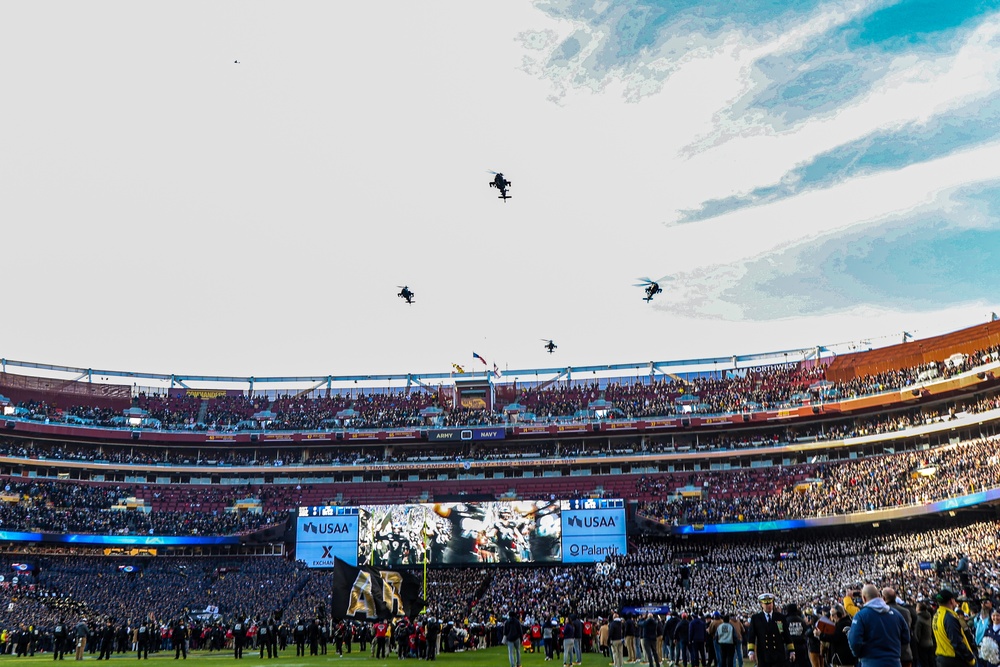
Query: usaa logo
(326,528)
(593,522)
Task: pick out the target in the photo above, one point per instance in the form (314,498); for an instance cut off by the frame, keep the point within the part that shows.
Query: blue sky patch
(962,129)
(915,22)
(913,263)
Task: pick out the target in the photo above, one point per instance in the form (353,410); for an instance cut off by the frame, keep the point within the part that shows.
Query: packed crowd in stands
(873,482)
(847,486)
(374,410)
(813,570)
(470,417)
(153,455)
(480,451)
(767,387)
(764,388)
(842,487)
(171,411)
(112,522)
(94,586)
(65,507)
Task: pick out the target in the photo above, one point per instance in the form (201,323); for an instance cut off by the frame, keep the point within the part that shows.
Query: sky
(240,188)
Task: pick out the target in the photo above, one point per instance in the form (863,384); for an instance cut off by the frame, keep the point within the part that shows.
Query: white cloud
(913,90)
(754,231)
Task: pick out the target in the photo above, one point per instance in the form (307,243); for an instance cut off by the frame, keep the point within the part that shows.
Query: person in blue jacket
(878,632)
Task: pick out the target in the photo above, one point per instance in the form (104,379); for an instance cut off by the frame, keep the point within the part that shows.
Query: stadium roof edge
(733,360)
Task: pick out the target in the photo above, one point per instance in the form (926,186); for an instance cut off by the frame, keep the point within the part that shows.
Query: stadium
(537,325)
(798,473)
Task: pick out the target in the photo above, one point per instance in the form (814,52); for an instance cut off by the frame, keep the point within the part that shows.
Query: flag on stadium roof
(458,369)
(476,356)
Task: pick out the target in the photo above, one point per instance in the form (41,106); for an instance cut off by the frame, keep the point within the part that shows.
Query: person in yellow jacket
(953,648)
(851,602)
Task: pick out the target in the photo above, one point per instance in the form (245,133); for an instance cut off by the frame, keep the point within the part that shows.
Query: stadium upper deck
(947,394)
(663,396)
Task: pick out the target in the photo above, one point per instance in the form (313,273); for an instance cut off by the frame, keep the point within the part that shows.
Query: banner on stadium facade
(204,394)
(619,426)
(397,435)
(488,433)
(661,609)
(367,593)
(457,434)
(453,435)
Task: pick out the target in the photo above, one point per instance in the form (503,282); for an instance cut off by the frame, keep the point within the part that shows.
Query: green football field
(493,657)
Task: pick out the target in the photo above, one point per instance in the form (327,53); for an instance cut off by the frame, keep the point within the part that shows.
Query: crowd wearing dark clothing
(271,597)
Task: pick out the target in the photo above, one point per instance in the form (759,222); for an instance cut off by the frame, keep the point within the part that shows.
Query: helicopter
(652,288)
(405,293)
(501,184)
(549,345)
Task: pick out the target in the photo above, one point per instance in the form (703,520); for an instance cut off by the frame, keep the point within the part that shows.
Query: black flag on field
(369,593)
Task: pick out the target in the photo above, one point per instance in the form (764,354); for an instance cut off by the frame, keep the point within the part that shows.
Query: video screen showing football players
(460,533)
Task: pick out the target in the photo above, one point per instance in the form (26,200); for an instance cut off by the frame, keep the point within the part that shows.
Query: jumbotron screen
(480,533)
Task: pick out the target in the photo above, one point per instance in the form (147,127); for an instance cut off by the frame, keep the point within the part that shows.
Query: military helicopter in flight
(501,184)
(652,287)
(406,294)
(549,345)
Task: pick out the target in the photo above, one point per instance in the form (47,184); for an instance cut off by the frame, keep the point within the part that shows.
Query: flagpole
(426,555)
